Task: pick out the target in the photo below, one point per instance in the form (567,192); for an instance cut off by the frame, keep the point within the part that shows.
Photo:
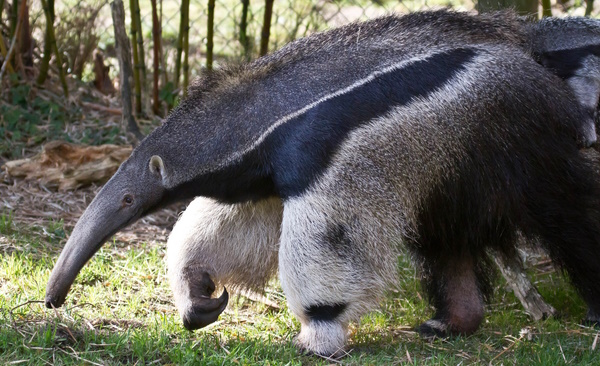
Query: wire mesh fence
(238,24)
(219,30)
(85,25)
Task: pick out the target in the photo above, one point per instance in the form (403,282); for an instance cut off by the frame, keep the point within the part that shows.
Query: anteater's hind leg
(568,223)
(234,245)
(455,289)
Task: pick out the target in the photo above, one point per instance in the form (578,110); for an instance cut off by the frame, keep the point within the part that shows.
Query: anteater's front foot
(458,323)
(202,310)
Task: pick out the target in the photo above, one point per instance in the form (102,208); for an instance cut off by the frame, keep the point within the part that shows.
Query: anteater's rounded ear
(157,166)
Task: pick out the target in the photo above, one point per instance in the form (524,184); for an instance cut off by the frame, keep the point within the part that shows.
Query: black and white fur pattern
(470,146)
(570,47)
(436,131)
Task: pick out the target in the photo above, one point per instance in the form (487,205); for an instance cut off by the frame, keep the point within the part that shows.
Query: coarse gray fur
(477,145)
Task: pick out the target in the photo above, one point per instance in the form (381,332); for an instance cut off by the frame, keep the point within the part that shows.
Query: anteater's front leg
(329,275)
(212,244)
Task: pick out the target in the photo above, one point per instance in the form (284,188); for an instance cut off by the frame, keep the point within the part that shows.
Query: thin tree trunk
(136,70)
(26,41)
(183,25)
(124,54)
(13,45)
(3,49)
(145,95)
(266,28)
(156,32)
(14,18)
(54,47)
(4,53)
(210,34)
(45,62)
(244,40)
(589,6)
(186,55)
(546,8)
(163,65)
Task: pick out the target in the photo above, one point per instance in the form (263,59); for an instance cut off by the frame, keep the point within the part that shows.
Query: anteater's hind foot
(592,319)
(458,300)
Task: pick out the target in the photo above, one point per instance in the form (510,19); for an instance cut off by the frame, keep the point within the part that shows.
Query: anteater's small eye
(127,200)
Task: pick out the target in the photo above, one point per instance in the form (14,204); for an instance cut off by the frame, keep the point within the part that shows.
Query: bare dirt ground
(32,204)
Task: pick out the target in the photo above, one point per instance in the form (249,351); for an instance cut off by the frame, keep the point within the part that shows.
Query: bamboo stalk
(4,53)
(186,48)
(589,6)
(136,71)
(547,8)
(61,70)
(244,40)
(266,28)
(14,18)
(165,74)
(14,42)
(210,34)
(145,101)
(45,62)
(124,55)
(156,32)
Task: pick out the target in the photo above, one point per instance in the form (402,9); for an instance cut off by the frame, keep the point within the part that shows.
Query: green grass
(120,311)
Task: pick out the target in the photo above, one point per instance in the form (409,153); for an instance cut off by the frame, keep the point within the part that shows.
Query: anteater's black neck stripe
(301,148)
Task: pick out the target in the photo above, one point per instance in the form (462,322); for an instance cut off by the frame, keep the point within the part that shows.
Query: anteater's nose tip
(53,301)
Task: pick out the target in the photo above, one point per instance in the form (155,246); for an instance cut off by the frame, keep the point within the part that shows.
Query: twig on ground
(26,303)
(101,108)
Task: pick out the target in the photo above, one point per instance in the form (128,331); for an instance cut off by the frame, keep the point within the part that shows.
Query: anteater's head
(136,188)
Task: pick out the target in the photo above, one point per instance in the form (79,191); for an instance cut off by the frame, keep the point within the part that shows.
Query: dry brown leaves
(68,166)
